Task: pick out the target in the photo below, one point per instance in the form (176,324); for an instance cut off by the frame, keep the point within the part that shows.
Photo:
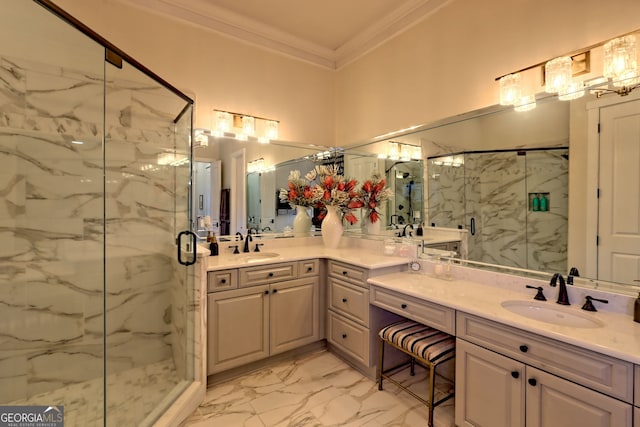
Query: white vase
(372,227)
(332,228)
(302,221)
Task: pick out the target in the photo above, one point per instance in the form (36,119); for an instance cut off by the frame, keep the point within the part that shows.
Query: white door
(619,203)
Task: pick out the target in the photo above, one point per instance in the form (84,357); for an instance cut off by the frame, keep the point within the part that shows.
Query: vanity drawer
(348,272)
(594,370)
(425,312)
(222,280)
(349,300)
(260,275)
(637,387)
(309,267)
(348,336)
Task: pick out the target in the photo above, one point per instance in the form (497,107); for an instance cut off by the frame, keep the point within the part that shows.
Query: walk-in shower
(94,188)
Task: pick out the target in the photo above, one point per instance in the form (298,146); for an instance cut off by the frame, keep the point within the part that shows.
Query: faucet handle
(588,304)
(539,296)
(257,249)
(235,248)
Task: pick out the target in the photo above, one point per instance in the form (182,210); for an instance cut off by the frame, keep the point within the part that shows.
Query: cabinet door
(553,401)
(238,327)
(489,388)
(295,314)
(636,417)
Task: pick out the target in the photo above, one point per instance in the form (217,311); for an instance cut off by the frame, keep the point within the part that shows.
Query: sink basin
(551,313)
(258,256)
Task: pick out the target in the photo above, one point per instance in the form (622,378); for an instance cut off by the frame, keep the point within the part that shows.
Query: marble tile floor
(131,396)
(318,390)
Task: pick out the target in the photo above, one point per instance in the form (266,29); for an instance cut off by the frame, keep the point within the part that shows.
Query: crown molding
(231,24)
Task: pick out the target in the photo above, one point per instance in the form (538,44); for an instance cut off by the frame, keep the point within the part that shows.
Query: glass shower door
(147,173)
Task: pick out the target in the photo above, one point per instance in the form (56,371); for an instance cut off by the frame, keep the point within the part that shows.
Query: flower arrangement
(299,191)
(333,189)
(372,193)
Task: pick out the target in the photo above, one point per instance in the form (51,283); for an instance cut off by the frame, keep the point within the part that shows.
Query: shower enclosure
(95,163)
(496,196)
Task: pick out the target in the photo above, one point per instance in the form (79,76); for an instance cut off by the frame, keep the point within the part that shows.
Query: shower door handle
(191,246)
(472,226)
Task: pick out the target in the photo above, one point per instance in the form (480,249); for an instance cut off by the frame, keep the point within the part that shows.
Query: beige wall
(218,71)
(447,64)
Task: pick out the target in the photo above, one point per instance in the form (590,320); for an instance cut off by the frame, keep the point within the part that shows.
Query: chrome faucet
(563,297)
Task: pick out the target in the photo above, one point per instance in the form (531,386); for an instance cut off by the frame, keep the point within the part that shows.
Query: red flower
(372,205)
(373,216)
(351,218)
(328,182)
(366,186)
(341,186)
(355,204)
(292,194)
(291,186)
(307,192)
(327,195)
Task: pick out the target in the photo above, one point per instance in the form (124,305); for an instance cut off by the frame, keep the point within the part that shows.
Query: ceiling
(329,33)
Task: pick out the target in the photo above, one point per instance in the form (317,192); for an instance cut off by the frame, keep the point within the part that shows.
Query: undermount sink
(550,313)
(258,256)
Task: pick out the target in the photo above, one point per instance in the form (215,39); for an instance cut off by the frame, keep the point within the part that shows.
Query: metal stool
(424,345)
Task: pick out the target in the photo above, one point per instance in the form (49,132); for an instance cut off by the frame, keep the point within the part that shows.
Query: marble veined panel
(495,195)
(446,195)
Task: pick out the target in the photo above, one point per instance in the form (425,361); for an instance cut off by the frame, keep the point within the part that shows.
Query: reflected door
(619,204)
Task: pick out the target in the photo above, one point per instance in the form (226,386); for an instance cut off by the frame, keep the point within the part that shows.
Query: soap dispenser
(636,310)
(535,203)
(544,203)
(213,246)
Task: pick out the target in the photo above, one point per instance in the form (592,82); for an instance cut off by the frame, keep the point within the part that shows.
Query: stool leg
(432,392)
(380,363)
(412,370)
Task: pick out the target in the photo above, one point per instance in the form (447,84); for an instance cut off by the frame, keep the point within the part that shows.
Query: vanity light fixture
(257,165)
(558,74)
(510,90)
(402,152)
(245,127)
(619,65)
(200,138)
(621,61)
(172,159)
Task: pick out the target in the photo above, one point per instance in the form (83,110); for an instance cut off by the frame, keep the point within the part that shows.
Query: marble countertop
(370,258)
(619,337)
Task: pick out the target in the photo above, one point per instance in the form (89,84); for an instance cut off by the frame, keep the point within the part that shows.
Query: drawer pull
(344,336)
(266,292)
(270,274)
(344,300)
(532,382)
(515,374)
(524,348)
(223,281)
(404,306)
(344,273)
(309,268)
(275,291)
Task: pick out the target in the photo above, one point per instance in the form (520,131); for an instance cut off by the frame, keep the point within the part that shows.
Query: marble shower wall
(494,189)
(67,229)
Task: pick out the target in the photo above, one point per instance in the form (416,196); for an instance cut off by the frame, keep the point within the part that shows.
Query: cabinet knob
(532,381)
(515,374)
(223,281)
(309,268)
(344,336)
(270,274)
(344,273)
(524,348)
(404,306)
(266,292)
(344,300)
(275,291)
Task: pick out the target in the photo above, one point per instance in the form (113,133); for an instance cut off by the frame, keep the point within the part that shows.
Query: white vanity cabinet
(273,309)
(510,377)
(352,327)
